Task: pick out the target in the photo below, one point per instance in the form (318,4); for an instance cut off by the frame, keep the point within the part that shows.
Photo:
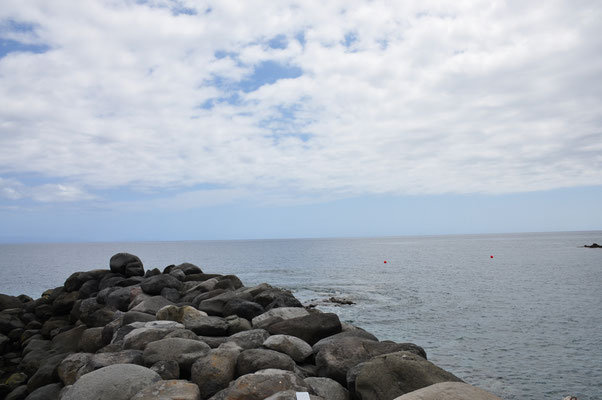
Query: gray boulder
(115,382)
(253,360)
(209,326)
(91,340)
(7,302)
(47,373)
(214,371)
(72,367)
(310,328)
(327,388)
(354,333)
(46,392)
(391,375)
(119,298)
(184,351)
(261,384)
(169,389)
(167,369)
(152,331)
(151,305)
(242,308)
(250,339)
(449,391)
(19,393)
(296,348)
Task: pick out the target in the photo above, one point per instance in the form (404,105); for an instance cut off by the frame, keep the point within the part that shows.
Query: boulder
(115,382)
(67,342)
(78,279)
(310,328)
(118,298)
(167,369)
(7,302)
(182,314)
(184,351)
(261,384)
(72,367)
(101,360)
(20,393)
(64,303)
(91,340)
(391,375)
(152,331)
(151,305)
(155,284)
(8,322)
(449,391)
(275,298)
(354,333)
(46,392)
(214,371)
(169,389)
(136,316)
(209,326)
(47,373)
(276,315)
(327,388)
(188,268)
(171,294)
(336,357)
(291,395)
(237,324)
(126,264)
(242,308)
(253,360)
(296,348)
(250,339)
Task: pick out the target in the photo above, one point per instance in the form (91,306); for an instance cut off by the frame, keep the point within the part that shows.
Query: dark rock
(115,382)
(327,388)
(139,338)
(155,284)
(152,305)
(169,389)
(200,277)
(126,264)
(98,318)
(214,371)
(152,272)
(7,302)
(68,341)
(237,324)
(242,308)
(88,289)
(20,393)
(593,246)
(208,326)
(261,384)
(135,316)
(253,360)
(275,298)
(310,328)
(171,294)
(47,392)
(179,275)
(110,281)
(189,268)
(15,380)
(47,373)
(119,298)
(43,311)
(167,369)
(101,360)
(91,340)
(52,324)
(73,366)
(391,375)
(8,322)
(79,279)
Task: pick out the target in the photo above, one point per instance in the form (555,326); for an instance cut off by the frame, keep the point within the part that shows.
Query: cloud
(281,100)
(12,189)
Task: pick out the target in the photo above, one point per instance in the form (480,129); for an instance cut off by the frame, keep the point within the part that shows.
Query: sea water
(523,324)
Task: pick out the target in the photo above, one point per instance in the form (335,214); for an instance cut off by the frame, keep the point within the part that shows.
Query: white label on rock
(302,396)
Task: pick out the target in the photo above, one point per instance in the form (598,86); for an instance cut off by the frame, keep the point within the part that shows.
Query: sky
(184,120)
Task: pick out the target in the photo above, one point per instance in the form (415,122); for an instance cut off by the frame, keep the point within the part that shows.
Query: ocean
(519,315)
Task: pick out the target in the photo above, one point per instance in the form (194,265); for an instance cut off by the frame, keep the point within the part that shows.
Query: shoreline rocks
(126,333)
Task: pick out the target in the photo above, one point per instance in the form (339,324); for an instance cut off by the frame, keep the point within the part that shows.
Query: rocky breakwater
(125,333)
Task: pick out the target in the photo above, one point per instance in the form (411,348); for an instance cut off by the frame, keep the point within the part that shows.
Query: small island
(593,246)
(124,333)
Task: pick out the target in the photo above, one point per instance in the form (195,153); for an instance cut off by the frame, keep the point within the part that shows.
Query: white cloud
(429,97)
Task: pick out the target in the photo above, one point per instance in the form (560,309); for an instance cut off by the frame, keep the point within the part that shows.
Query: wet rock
(449,391)
(296,348)
(126,264)
(261,384)
(327,388)
(167,369)
(169,389)
(214,371)
(155,284)
(310,328)
(115,382)
(253,360)
(276,315)
(391,375)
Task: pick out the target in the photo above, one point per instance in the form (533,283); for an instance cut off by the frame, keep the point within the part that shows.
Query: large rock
(275,298)
(78,364)
(337,357)
(188,268)
(208,326)
(310,328)
(250,339)
(391,375)
(184,351)
(7,302)
(449,391)
(73,366)
(171,389)
(119,298)
(46,392)
(183,315)
(327,388)
(214,371)
(155,284)
(151,305)
(296,348)
(355,333)
(115,382)
(242,308)
(91,340)
(126,264)
(261,384)
(78,279)
(47,373)
(167,369)
(276,315)
(139,338)
(253,360)
(8,322)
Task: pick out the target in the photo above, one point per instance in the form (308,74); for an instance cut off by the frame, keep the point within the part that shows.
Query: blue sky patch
(268,72)
(278,42)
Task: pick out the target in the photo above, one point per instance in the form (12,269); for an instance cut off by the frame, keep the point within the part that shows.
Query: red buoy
(490,256)
(385,261)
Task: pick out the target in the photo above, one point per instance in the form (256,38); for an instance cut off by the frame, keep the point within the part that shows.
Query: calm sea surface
(526,324)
